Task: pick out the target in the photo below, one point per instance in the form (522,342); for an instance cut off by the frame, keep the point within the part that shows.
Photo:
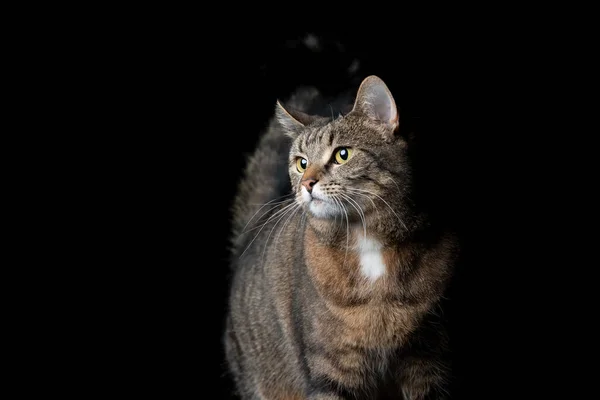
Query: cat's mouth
(318,204)
(316,199)
(321,207)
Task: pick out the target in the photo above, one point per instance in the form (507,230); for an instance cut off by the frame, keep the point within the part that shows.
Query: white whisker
(286,222)
(361,214)
(370,199)
(341,205)
(380,198)
(266,204)
(290,210)
(271,216)
(283,210)
(397,186)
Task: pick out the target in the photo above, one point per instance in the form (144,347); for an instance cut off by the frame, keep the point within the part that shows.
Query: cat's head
(351,167)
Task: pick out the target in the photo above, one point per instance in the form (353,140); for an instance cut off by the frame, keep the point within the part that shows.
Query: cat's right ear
(291,121)
(375,101)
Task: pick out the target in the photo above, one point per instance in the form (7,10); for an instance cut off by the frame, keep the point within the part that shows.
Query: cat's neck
(357,235)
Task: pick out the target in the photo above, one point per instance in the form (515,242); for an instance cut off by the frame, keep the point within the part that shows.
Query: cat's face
(346,169)
(351,167)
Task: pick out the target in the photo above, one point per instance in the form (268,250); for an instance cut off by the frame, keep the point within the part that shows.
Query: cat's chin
(323,209)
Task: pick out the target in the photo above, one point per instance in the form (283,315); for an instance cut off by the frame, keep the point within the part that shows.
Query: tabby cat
(336,276)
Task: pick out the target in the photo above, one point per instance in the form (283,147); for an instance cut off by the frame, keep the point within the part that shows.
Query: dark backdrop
(199,102)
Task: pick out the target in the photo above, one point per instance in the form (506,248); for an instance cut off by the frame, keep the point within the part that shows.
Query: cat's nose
(309,183)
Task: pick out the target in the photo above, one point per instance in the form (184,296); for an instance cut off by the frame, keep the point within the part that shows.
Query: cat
(337,276)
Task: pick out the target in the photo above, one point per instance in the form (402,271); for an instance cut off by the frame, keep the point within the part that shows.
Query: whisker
(292,211)
(267,212)
(396,183)
(370,199)
(270,217)
(381,198)
(271,202)
(341,205)
(267,203)
(354,204)
(303,221)
(287,221)
(265,224)
(353,271)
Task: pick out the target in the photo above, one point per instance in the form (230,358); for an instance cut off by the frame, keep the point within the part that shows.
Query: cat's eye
(301,164)
(342,155)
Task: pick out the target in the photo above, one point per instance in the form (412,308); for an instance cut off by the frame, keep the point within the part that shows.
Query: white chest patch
(371,258)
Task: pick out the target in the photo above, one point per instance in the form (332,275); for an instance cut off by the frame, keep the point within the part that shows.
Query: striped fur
(335,291)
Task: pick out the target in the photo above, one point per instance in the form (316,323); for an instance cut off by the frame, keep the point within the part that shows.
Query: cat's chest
(370,257)
(361,290)
(354,273)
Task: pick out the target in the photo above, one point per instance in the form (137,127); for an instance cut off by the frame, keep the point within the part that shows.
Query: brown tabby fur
(304,321)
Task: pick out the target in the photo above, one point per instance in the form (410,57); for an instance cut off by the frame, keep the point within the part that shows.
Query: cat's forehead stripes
(322,135)
(314,135)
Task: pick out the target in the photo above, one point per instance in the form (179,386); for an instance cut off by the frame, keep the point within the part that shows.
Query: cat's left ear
(375,100)
(292,121)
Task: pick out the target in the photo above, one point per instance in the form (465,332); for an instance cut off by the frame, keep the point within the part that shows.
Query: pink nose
(309,183)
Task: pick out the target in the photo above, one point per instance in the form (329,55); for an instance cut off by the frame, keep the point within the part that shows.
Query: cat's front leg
(423,379)
(324,396)
(327,390)
(336,375)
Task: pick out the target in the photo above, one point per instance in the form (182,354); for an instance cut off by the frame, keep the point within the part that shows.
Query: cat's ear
(375,100)
(292,121)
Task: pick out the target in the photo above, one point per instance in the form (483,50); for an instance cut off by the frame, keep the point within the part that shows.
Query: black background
(467,92)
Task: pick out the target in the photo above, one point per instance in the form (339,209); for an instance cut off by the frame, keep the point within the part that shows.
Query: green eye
(342,155)
(301,164)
